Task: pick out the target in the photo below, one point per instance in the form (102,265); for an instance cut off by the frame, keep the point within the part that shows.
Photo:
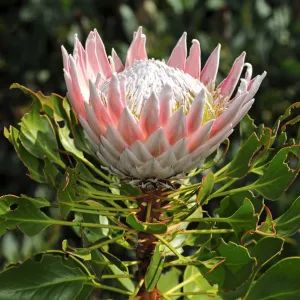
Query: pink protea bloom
(150,119)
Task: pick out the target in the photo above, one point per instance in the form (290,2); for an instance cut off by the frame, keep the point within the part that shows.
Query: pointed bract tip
(183,37)
(264,74)
(139,31)
(242,56)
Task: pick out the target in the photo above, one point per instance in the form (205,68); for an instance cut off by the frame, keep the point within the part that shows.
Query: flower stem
(207,231)
(230,192)
(83,224)
(99,245)
(147,241)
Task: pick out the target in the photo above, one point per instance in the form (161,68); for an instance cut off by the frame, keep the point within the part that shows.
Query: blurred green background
(32,31)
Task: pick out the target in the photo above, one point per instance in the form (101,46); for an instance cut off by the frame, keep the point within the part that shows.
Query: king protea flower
(149,119)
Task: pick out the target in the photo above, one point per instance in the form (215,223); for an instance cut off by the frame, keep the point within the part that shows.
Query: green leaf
(243,161)
(279,282)
(38,136)
(268,225)
(69,143)
(24,213)
(285,116)
(238,211)
(96,234)
(236,268)
(54,277)
(52,174)
(67,193)
(196,240)
(33,164)
(101,264)
(153,228)
(154,270)
(84,293)
(85,175)
(114,260)
(289,223)
(129,190)
(169,280)
(265,249)
(39,202)
(247,127)
(54,102)
(82,253)
(244,219)
(205,188)
(196,283)
(278,176)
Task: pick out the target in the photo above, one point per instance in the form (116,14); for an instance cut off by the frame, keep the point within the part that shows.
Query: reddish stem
(146,241)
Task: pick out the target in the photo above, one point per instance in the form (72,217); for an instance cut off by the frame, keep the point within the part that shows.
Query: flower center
(147,76)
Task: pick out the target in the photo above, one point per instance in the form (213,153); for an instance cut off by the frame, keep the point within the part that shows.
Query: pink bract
(149,119)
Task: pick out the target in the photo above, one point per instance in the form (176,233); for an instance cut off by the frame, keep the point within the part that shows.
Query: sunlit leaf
(34,165)
(196,283)
(169,280)
(37,135)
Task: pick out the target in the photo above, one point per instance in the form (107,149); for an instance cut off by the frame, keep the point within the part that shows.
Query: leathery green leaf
(247,154)
(66,193)
(236,268)
(279,282)
(115,261)
(289,223)
(244,219)
(38,136)
(154,228)
(24,213)
(265,249)
(238,211)
(168,280)
(154,270)
(196,283)
(32,163)
(278,176)
(52,105)
(205,188)
(54,277)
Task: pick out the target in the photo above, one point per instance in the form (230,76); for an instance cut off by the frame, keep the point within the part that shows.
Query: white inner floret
(147,76)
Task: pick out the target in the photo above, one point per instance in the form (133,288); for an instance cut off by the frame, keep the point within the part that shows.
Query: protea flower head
(149,119)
